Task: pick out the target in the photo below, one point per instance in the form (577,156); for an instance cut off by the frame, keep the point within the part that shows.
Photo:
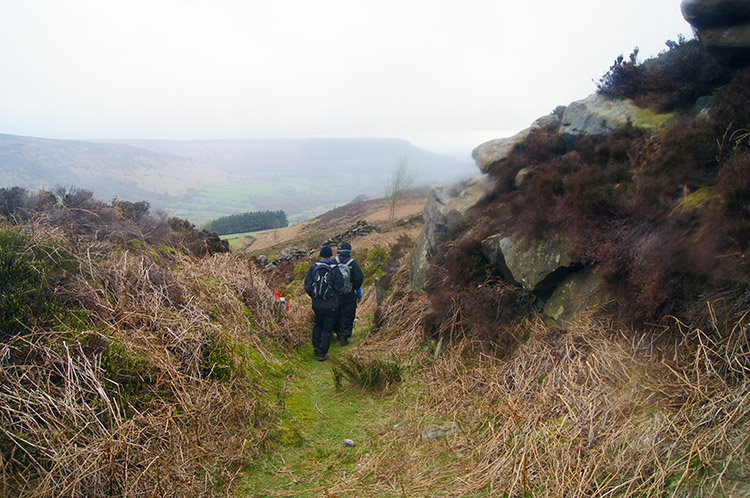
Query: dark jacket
(356,274)
(338,286)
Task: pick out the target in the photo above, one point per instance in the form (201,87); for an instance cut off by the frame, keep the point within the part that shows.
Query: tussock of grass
(366,373)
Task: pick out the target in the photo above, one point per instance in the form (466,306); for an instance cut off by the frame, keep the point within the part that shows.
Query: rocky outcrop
(490,155)
(537,265)
(546,267)
(596,115)
(447,207)
(724,27)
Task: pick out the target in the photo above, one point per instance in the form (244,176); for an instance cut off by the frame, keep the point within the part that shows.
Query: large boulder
(447,208)
(712,13)
(536,264)
(490,155)
(724,27)
(597,115)
(577,292)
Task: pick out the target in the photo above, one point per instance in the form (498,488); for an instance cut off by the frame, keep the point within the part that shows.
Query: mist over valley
(201,180)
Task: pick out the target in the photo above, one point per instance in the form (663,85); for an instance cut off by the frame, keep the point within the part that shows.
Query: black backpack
(322,287)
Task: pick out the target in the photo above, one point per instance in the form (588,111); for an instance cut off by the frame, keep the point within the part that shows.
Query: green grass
(369,374)
(649,119)
(310,456)
(226,198)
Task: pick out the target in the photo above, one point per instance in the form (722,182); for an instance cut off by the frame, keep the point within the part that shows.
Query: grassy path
(316,419)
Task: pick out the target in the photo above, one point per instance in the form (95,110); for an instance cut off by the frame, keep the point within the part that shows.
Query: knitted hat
(345,246)
(326,252)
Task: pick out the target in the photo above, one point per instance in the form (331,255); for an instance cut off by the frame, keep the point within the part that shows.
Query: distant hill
(204,179)
(304,177)
(109,170)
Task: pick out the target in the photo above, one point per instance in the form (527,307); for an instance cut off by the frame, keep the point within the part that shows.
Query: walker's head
(326,252)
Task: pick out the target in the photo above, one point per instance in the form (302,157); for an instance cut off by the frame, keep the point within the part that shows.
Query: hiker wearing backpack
(353,279)
(323,283)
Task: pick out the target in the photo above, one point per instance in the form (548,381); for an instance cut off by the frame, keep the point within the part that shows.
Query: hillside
(335,221)
(202,180)
(121,171)
(139,358)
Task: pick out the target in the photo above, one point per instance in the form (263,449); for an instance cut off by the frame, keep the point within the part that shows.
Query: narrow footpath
(311,455)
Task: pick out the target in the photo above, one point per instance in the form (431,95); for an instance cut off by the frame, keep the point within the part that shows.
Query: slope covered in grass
(128,365)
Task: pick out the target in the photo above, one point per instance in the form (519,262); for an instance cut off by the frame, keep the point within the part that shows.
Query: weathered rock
(523,177)
(447,207)
(578,292)
(724,27)
(714,13)
(410,220)
(262,260)
(436,431)
(289,254)
(490,155)
(285,254)
(537,265)
(729,46)
(596,115)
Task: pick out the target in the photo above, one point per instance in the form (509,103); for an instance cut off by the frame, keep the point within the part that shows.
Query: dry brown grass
(160,393)
(375,212)
(586,411)
(591,410)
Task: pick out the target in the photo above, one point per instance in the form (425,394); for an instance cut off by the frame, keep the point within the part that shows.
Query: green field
(298,199)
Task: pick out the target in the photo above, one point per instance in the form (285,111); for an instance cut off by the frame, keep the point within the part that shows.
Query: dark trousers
(321,337)
(345,319)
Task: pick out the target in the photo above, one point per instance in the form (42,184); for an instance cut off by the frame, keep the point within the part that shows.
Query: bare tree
(401,181)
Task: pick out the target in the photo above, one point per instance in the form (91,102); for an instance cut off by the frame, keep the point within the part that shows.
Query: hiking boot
(343,340)
(322,357)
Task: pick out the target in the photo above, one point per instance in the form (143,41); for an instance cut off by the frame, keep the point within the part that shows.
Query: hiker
(353,279)
(323,283)
(280,302)
(279,305)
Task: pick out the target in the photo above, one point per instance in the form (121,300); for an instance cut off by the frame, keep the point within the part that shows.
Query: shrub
(127,368)
(733,187)
(372,263)
(731,107)
(672,81)
(622,78)
(396,251)
(468,299)
(29,274)
(218,359)
(133,211)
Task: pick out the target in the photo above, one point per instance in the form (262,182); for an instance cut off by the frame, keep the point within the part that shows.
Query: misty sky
(445,75)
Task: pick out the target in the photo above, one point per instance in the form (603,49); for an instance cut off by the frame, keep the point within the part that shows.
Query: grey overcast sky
(445,75)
